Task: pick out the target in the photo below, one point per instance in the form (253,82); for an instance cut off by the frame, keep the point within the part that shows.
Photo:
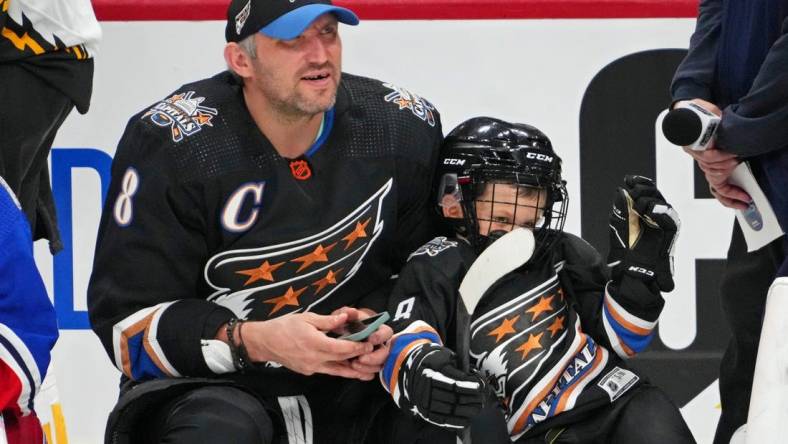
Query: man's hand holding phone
(361,329)
(365,325)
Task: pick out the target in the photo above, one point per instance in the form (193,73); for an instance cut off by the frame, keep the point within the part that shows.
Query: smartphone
(360,330)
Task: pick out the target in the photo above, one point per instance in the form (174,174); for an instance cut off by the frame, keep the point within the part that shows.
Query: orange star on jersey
(204,119)
(506,327)
(531,344)
(556,326)
(319,255)
(359,231)
(331,278)
(264,271)
(289,298)
(544,304)
(402,102)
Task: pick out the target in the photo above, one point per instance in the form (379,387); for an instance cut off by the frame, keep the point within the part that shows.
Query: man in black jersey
(549,339)
(251,215)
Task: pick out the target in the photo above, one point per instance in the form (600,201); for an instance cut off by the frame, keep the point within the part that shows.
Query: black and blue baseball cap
(279,19)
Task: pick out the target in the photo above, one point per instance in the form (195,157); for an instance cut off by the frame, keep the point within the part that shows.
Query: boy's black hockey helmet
(482,150)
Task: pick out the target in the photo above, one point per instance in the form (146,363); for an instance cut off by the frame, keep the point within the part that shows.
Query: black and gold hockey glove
(643,231)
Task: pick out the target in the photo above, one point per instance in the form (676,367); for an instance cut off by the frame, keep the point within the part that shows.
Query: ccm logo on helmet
(454,161)
(537,156)
(641,271)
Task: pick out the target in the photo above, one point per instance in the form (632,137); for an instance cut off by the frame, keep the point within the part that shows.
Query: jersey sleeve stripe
(625,318)
(11,390)
(394,376)
(625,343)
(628,334)
(16,356)
(153,348)
(617,320)
(402,344)
(137,351)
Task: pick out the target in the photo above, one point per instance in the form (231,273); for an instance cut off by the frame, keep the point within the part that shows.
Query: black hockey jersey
(550,338)
(205,220)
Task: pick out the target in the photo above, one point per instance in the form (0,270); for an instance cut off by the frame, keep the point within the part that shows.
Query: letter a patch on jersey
(295,276)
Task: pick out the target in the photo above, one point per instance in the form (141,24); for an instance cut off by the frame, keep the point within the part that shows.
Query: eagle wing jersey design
(529,343)
(296,276)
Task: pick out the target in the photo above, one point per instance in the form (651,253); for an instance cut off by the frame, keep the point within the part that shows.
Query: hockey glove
(643,230)
(434,389)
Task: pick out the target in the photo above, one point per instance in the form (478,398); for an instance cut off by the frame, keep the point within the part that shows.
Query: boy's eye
(501,220)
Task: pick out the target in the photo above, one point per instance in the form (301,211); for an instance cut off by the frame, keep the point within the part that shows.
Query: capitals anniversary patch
(182,113)
(405,99)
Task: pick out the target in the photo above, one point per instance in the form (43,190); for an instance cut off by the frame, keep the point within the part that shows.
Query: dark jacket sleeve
(695,75)
(144,300)
(758,123)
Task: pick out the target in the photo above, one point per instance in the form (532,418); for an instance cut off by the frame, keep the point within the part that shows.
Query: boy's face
(503,206)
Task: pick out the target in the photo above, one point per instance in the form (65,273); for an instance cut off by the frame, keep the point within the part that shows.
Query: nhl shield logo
(300,169)
(296,276)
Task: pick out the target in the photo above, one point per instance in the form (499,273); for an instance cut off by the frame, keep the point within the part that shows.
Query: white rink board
(532,71)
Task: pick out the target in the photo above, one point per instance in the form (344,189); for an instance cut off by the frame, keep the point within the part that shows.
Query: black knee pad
(216,414)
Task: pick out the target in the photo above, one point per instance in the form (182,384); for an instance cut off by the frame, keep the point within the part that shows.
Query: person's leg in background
(783,270)
(743,296)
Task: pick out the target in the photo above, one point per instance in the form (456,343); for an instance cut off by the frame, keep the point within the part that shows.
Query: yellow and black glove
(643,231)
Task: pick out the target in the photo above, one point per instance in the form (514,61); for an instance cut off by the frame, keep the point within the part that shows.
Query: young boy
(551,338)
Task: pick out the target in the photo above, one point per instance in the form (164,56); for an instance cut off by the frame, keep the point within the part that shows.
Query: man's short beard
(298,107)
(294,106)
(311,108)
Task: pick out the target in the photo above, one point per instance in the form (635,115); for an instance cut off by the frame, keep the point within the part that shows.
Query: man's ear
(238,60)
(451,207)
